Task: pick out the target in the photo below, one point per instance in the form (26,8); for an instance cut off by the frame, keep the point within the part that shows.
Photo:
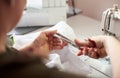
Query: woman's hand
(45,43)
(93,47)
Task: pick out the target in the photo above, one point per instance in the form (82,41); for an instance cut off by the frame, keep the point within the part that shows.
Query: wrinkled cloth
(66,60)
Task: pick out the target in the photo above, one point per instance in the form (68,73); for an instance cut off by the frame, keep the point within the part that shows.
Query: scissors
(67,40)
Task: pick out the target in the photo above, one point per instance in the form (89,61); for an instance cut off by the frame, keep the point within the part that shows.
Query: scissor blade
(67,40)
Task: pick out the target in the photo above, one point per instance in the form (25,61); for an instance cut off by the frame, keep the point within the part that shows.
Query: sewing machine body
(111,22)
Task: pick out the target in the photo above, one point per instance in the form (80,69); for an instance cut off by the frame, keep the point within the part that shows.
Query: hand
(93,47)
(45,43)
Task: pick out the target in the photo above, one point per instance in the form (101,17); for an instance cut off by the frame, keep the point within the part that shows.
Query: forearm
(112,47)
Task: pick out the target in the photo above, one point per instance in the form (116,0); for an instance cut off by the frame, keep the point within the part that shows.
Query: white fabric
(65,60)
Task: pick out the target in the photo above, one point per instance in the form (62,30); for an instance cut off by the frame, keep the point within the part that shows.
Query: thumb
(77,41)
(51,32)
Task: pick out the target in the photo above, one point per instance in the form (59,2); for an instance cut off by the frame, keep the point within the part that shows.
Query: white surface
(38,17)
(43,13)
(51,3)
(34,4)
(63,3)
(84,26)
(45,4)
(58,3)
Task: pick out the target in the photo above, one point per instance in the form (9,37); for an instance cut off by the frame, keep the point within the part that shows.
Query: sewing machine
(111,22)
(43,13)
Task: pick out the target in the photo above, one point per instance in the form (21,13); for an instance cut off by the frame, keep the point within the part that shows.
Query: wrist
(27,49)
(108,41)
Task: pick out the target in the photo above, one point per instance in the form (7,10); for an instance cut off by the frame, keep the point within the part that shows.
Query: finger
(54,45)
(90,51)
(94,55)
(80,43)
(79,53)
(65,43)
(57,44)
(59,41)
(52,40)
(92,43)
(52,32)
(85,50)
(55,39)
